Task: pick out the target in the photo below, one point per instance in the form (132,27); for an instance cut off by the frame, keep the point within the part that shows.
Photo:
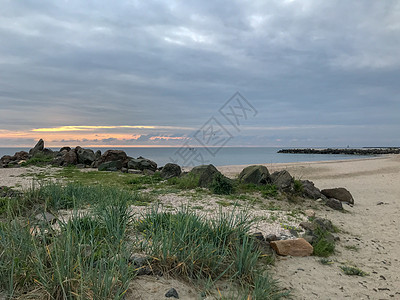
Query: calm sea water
(225,156)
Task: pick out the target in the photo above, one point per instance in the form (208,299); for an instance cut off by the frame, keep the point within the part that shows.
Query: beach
(369,230)
(372,225)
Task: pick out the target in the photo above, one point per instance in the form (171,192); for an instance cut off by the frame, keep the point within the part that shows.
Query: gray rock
(38,148)
(340,194)
(271,238)
(97,154)
(141,164)
(21,155)
(133,171)
(255,175)
(70,158)
(85,156)
(310,191)
(65,149)
(334,203)
(172,293)
(111,166)
(283,180)
(171,170)
(46,217)
(258,236)
(112,155)
(205,173)
(324,224)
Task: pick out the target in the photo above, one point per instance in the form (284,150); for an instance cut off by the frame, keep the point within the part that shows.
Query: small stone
(297,247)
(309,213)
(133,171)
(258,236)
(271,237)
(334,204)
(46,217)
(172,293)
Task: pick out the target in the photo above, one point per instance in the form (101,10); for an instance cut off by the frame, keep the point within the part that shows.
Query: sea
(216,156)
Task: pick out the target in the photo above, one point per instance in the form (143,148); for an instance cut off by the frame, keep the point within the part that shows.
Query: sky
(161,73)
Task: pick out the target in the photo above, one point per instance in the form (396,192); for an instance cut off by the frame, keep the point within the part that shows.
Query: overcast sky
(318,73)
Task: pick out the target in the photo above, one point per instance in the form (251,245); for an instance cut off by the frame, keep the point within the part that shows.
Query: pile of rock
(284,182)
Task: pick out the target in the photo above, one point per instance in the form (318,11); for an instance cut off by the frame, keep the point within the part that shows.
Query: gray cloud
(175,63)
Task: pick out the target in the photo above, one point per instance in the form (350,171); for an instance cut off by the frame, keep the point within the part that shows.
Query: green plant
(298,186)
(322,246)
(353,271)
(352,248)
(326,261)
(186,182)
(221,185)
(39,159)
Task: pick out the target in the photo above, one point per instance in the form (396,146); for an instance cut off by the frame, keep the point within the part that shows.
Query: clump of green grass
(322,246)
(186,244)
(186,182)
(326,261)
(298,186)
(221,185)
(39,159)
(353,271)
(88,258)
(352,248)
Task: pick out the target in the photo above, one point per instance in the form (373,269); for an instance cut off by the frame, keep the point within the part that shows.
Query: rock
(46,217)
(271,238)
(7,192)
(308,226)
(112,155)
(141,164)
(70,158)
(80,166)
(255,175)
(148,172)
(258,236)
(111,166)
(21,155)
(340,194)
(205,173)
(171,170)
(47,152)
(310,191)
(85,156)
(283,180)
(38,148)
(334,203)
(172,293)
(97,154)
(309,213)
(65,149)
(324,224)
(132,171)
(296,247)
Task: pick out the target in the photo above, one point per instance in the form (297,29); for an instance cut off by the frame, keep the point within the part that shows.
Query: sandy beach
(374,229)
(369,237)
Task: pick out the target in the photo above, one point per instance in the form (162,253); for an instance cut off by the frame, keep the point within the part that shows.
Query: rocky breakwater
(348,151)
(110,160)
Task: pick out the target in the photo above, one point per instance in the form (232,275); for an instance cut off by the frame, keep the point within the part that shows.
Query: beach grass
(86,255)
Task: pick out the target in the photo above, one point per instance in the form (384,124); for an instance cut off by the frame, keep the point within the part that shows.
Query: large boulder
(21,155)
(111,166)
(85,156)
(255,175)
(38,148)
(283,180)
(205,173)
(112,155)
(297,247)
(69,158)
(142,164)
(340,194)
(171,170)
(310,191)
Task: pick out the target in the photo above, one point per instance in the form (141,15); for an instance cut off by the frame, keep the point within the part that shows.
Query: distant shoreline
(344,151)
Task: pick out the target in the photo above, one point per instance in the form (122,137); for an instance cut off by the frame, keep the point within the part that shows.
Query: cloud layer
(320,73)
